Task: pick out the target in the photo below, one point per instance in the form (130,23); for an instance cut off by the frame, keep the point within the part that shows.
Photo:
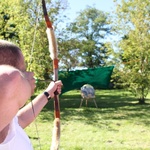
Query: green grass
(119,123)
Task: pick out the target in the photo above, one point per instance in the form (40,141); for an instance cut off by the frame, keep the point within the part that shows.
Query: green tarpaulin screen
(99,78)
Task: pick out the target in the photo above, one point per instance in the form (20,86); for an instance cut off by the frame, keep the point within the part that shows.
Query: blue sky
(78,5)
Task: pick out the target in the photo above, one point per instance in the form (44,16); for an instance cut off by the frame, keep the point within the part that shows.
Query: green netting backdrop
(99,78)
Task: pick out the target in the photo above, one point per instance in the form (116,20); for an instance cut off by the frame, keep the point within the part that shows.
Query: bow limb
(53,55)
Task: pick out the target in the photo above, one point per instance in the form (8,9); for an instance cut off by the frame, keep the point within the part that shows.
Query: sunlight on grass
(119,123)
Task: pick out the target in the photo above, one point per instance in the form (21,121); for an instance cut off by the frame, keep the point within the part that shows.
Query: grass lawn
(119,123)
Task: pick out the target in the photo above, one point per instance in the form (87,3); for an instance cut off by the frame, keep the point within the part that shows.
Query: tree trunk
(141,100)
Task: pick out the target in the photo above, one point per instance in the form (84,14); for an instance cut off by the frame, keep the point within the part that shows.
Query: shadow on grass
(111,105)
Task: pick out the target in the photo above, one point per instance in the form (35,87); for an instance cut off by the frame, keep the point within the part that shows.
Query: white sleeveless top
(16,138)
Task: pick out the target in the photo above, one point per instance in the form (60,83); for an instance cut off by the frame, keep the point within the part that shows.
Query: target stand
(88,93)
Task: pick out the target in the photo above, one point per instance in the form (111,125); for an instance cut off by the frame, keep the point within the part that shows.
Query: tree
(89,31)
(22,22)
(133,18)
(68,54)
(10,20)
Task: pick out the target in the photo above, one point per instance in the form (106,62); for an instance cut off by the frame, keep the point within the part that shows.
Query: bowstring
(30,60)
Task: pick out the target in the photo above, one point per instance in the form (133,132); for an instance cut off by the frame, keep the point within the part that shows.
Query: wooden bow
(53,55)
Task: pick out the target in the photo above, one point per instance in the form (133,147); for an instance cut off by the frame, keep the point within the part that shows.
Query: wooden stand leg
(81,102)
(86,102)
(95,103)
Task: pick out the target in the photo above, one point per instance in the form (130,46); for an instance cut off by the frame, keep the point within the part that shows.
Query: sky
(78,5)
